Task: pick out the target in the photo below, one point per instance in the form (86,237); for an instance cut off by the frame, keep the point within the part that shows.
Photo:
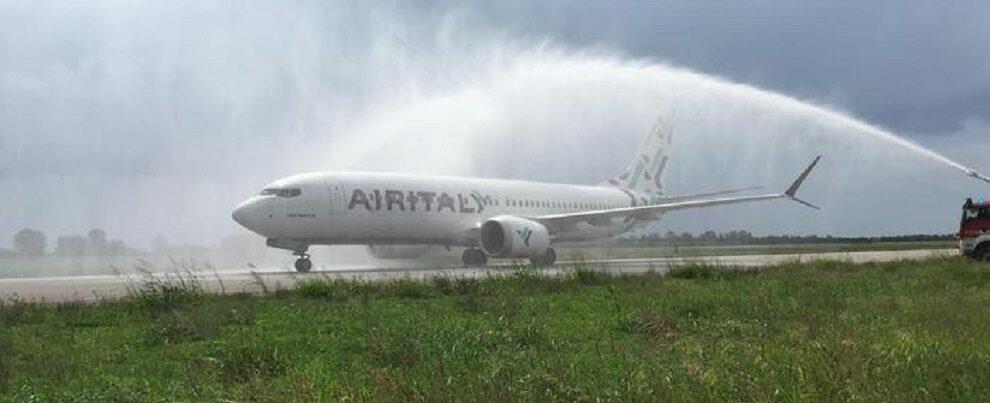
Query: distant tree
(652,238)
(159,243)
(71,245)
(29,242)
(709,236)
(97,241)
(116,248)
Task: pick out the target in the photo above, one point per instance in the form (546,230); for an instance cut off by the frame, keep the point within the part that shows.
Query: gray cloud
(153,117)
(914,66)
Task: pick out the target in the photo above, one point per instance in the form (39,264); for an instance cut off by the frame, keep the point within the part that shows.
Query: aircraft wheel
(303,264)
(548,258)
(474,257)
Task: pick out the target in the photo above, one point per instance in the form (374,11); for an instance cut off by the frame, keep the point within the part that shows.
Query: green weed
(833,331)
(588,276)
(253,361)
(6,358)
(166,291)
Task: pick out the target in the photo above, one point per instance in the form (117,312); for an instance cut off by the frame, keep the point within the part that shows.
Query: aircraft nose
(242,214)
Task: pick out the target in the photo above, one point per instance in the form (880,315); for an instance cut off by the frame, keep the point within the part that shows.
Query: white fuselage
(379,208)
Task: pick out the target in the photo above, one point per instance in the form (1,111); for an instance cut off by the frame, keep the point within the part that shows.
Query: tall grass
(6,358)
(833,331)
(166,290)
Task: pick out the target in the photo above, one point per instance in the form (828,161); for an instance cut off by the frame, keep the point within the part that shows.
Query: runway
(94,288)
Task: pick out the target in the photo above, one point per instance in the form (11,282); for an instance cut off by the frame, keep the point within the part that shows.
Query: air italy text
(399,200)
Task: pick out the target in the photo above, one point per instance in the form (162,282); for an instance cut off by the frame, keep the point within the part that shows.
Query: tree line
(747,238)
(34,243)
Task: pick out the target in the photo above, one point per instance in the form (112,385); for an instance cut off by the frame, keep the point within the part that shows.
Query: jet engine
(511,236)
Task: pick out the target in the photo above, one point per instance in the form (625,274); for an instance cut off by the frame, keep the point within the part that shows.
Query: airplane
(487,217)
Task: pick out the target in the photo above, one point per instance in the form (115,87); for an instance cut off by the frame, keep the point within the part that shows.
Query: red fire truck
(974,230)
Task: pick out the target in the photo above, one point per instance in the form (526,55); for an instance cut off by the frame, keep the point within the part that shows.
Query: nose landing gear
(298,248)
(303,264)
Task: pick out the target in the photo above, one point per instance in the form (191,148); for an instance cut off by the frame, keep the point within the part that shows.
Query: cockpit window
(281,192)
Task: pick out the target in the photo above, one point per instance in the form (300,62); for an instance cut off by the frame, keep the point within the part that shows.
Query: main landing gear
(474,257)
(548,258)
(303,264)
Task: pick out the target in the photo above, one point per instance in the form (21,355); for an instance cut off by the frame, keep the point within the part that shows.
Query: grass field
(907,331)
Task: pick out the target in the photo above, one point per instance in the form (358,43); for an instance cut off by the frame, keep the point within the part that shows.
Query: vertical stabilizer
(645,175)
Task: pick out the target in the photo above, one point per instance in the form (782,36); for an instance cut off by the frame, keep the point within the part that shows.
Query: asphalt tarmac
(94,288)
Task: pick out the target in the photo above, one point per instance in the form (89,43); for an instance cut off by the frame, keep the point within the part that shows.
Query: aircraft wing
(702,196)
(646,213)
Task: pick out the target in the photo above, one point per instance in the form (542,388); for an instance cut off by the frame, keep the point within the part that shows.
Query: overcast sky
(157,117)
(912,66)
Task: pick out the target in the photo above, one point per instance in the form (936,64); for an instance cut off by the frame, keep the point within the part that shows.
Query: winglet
(791,192)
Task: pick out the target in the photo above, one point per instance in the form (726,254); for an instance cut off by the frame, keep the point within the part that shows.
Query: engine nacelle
(511,236)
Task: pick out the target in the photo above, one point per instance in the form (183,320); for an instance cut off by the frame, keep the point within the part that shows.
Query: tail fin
(645,174)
